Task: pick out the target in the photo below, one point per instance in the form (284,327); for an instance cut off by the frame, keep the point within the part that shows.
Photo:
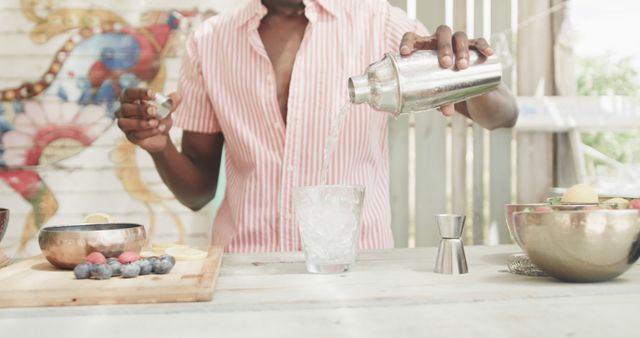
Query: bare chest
(282,37)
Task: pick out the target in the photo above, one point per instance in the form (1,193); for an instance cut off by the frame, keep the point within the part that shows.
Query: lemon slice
(159,248)
(184,253)
(163,246)
(97,217)
(618,203)
(147,254)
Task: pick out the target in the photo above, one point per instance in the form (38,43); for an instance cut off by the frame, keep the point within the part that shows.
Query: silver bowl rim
(3,227)
(587,212)
(86,228)
(557,205)
(562,205)
(526,204)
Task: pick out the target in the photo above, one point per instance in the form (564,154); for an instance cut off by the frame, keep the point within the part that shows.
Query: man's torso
(267,158)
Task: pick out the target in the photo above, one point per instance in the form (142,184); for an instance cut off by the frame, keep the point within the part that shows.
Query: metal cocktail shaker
(415,83)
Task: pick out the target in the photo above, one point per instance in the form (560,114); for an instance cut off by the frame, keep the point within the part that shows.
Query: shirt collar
(328,5)
(254,8)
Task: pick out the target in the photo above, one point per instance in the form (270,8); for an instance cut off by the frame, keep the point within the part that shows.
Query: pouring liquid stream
(332,141)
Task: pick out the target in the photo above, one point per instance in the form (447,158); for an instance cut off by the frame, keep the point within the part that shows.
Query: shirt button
(290,168)
(277,125)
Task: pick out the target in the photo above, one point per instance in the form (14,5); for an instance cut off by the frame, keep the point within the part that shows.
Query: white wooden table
(390,293)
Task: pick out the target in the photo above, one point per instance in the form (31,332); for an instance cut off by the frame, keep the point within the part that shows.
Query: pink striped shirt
(228,85)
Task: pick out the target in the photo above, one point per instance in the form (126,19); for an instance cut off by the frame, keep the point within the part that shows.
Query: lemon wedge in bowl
(97,218)
(580,194)
(617,203)
(183,253)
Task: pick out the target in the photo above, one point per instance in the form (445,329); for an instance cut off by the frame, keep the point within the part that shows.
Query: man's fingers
(407,45)
(445,51)
(138,136)
(131,110)
(134,94)
(136,124)
(461,48)
(166,123)
(411,41)
(426,43)
(482,46)
(447,110)
(430,42)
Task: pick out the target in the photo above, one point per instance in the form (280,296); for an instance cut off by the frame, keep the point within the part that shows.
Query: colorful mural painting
(63,112)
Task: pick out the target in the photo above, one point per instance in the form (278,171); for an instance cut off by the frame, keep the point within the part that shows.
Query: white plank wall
(535,148)
(399,171)
(501,139)
(431,128)
(479,137)
(459,125)
(431,173)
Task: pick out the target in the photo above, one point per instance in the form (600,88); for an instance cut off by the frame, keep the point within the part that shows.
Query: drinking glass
(329,218)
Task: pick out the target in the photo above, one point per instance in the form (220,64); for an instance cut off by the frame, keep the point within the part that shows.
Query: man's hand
(452,49)
(137,119)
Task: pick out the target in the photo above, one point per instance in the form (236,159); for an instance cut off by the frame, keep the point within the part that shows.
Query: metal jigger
(451,259)
(163,105)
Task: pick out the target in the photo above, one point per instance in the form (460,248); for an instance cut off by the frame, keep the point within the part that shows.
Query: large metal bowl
(580,246)
(4,221)
(67,246)
(510,209)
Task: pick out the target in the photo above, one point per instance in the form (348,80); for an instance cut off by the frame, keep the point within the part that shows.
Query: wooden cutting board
(35,282)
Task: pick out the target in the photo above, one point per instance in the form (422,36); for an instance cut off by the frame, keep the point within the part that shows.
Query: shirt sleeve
(399,23)
(195,113)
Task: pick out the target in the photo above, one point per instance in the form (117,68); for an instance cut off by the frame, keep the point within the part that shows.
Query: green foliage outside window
(607,76)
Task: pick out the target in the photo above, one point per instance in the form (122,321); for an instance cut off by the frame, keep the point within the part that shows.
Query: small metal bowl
(582,245)
(67,246)
(4,221)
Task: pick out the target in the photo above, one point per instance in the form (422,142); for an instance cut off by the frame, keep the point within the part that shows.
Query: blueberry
(169,258)
(116,268)
(100,271)
(111,260)
(130,270)
(162,266)
(145,266)
(82,271)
